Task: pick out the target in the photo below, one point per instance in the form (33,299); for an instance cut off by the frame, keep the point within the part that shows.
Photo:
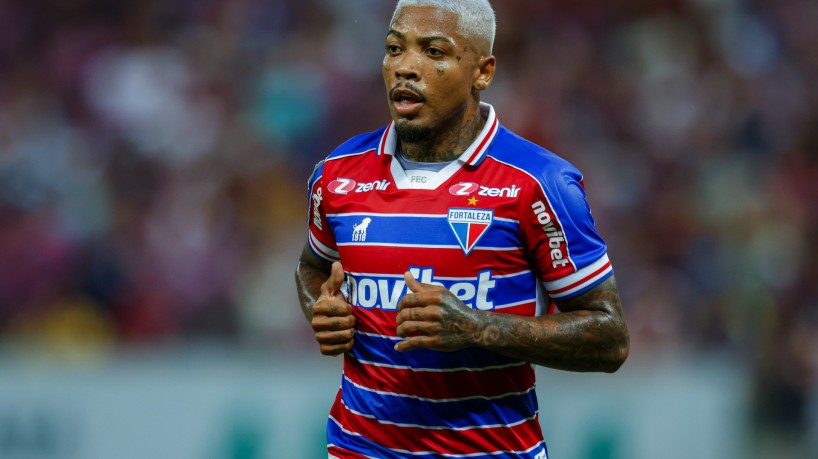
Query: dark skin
(319,283)
(589,334)
(427,57)
(433,77)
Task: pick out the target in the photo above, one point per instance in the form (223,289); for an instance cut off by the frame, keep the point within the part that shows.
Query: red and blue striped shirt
(506,228)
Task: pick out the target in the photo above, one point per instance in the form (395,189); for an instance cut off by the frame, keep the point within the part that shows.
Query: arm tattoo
(589,334)
(460,329)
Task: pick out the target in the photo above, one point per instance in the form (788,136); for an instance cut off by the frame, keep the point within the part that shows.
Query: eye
(392,48)
(435,52)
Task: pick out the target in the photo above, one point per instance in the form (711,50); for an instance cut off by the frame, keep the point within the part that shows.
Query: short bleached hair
(475,17)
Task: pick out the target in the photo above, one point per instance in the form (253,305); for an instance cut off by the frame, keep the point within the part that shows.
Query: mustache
(408,87)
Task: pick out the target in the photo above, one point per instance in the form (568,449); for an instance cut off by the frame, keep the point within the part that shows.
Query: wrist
(493,330)
(484,328)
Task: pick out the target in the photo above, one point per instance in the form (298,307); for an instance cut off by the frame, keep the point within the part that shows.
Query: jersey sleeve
(320,237)
(558,230)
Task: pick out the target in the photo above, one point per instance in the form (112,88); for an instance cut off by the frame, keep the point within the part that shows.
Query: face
(432,73)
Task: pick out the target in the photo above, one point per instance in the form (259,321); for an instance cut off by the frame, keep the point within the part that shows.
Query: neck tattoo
(447,149)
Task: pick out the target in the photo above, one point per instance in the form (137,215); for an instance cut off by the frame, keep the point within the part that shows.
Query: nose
(406,66)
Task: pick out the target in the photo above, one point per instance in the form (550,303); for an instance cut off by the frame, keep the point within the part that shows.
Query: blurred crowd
(154,153)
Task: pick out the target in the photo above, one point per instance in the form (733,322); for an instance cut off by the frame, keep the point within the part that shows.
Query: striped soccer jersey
(506,228)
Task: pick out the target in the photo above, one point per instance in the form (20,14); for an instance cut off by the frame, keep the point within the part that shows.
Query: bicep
(602,334)
(309,259)
(603,297)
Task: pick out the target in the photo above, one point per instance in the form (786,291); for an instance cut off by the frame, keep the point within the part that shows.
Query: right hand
(332,318)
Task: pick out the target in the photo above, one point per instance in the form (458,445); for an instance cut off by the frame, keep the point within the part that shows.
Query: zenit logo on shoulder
(468,188)
(345,186)
(370,292)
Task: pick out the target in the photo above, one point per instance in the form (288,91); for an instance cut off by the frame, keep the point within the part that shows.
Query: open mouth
(406,102)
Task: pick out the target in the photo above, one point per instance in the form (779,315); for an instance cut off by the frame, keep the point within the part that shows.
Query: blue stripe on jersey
(380,350)
(473,412)
(484,292)
(337,437)
(426,231)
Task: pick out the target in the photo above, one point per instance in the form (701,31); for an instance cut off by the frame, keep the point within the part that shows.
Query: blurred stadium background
(153,158)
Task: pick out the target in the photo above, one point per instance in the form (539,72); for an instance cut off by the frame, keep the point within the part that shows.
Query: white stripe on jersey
(322,250)
(580,279)
(422,246)
(516,303)
(446,278)
(376,214)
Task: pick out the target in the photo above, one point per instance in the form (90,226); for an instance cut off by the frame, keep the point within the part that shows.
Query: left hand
(431,317)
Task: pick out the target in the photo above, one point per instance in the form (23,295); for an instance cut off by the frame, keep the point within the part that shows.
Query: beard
(412,134)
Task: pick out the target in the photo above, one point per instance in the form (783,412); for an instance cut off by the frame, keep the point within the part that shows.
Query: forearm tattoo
(589,334)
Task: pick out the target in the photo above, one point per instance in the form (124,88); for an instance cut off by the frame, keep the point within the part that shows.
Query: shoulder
(547,168)
(357,145)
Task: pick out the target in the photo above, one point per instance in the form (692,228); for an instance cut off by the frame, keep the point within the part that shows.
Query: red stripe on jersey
(527,309)
(380,322)
(441,385)
(382,148)
(376,321)
(340,453)
(519,437)
(316,246)
(382,259)
(583,280)
(480,147)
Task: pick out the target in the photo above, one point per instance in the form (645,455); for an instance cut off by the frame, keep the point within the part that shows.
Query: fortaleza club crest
(469,225)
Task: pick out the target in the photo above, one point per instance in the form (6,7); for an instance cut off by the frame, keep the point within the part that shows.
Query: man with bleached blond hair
(480,258)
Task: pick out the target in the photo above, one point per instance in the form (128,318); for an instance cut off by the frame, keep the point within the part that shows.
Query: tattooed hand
(431,317)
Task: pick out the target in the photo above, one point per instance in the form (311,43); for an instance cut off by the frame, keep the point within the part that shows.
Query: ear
(484,73)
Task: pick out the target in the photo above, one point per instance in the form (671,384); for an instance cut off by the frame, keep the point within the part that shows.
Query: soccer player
(446,255)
